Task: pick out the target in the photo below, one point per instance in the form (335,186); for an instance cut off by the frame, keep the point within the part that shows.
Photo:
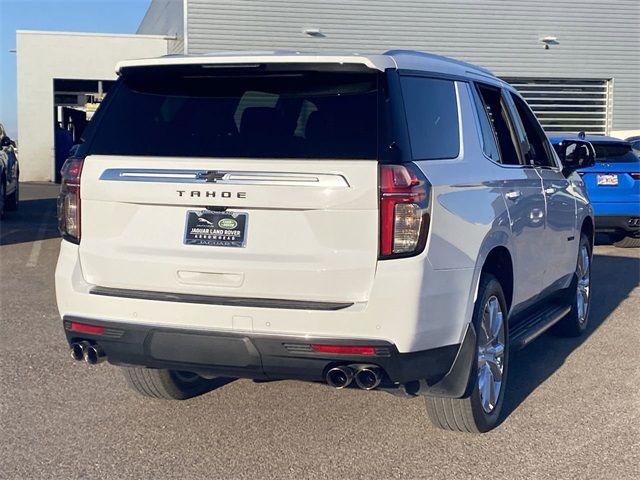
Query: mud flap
(455,384)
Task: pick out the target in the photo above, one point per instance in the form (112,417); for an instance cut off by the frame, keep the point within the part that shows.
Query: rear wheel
(480,411)
(579,293)
(13,199)
(167,384)
(628,242)
(2,197)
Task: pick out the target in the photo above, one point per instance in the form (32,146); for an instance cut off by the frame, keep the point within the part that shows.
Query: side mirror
(575,154)
(6,142)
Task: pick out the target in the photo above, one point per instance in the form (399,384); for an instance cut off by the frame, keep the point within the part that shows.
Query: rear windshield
(239,112)
(614,152)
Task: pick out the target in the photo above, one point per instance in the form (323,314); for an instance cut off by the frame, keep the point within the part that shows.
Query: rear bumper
(630,207)
(403,309)
(621,224)
(268,357)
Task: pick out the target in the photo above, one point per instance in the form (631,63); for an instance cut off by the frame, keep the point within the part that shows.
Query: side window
(489,142)
(539,153)
(432,117)
(497,113)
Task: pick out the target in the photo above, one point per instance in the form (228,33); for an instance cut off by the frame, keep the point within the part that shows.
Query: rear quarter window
(431,108)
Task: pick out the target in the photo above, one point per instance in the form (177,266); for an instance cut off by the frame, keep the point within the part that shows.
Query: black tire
(12,201)
(167,384)
(3,198)
(628,242)
(467,414)
(573,325)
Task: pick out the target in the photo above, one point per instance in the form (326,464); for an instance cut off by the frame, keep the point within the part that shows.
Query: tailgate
(311,230)
(612,182)
(274,165)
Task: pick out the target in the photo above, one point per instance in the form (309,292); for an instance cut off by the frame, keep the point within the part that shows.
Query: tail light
(69,200)
(404,211)
(635,175)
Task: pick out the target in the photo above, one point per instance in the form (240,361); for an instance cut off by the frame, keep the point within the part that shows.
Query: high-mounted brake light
(69,200)
(404,210)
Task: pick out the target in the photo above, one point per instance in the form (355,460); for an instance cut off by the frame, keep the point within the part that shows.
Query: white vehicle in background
(392,222)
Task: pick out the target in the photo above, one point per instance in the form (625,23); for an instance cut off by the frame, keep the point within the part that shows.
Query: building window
(566,104)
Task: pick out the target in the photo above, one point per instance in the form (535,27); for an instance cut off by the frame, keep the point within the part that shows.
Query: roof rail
(439,57)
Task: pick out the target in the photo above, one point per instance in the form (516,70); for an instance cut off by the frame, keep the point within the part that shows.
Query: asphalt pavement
(573,404)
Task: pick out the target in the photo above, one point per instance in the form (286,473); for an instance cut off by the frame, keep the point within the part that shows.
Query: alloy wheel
(491,351)
(583,289)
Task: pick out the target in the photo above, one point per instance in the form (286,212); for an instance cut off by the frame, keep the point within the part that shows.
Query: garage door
(568,105)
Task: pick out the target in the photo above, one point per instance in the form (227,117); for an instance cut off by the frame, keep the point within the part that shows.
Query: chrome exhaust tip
(340,377)
(78,349)
(94,354)
(368,378)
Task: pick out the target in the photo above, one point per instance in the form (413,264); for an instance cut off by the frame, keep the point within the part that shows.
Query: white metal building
(576,61)
(60,77)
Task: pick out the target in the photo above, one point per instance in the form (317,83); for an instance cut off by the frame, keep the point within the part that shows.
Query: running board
(528,330)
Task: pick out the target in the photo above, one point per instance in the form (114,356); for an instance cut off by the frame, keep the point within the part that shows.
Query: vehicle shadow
(532,366)
(603,239)
(34,220)
(212,384)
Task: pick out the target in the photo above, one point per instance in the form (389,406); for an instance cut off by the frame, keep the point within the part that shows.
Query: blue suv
(613,185)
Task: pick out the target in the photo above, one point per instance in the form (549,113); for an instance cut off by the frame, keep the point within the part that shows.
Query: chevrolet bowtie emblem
(212,176)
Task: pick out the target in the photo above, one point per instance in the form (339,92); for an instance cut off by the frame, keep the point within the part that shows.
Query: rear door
(522,192)
(561,239)
(252,182)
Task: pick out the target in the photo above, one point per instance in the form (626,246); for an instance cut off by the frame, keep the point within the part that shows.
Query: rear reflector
(344,349)
(84,328)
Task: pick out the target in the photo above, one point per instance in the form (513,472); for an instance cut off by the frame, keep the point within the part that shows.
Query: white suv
(390,222)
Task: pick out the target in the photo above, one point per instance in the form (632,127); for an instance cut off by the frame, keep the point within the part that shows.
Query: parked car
(393,222)
(9,174)
(613,185)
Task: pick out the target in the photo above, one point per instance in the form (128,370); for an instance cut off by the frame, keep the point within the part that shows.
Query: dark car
(613,186)
(9,173)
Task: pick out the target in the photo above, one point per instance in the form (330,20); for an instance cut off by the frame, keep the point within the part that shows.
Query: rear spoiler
(375,62)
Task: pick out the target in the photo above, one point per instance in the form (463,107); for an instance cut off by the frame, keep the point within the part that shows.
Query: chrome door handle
(513,195)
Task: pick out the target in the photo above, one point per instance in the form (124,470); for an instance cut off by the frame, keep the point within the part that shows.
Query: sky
(103,16)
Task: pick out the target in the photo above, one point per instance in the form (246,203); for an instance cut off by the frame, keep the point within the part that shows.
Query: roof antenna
(581,135)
